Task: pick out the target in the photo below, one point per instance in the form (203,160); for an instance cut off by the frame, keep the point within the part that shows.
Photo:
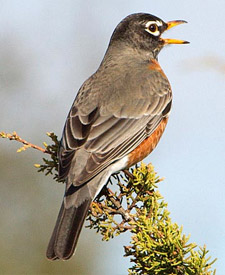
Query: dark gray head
(143,31)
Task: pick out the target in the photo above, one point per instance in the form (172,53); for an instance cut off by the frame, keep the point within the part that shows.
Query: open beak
(170,25)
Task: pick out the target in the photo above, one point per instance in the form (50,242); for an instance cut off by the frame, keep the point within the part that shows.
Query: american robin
(116,120)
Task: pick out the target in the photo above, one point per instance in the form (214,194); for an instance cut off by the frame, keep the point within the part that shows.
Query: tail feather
(67,230)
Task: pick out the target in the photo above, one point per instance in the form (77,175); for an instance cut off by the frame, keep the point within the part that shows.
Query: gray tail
(67,230)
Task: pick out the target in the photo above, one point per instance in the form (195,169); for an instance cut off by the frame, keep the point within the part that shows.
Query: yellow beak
(170,25)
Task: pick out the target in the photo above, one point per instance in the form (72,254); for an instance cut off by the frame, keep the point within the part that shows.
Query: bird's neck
(123,53)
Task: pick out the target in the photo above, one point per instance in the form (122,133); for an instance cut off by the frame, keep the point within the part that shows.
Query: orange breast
(147,146)
(154,65)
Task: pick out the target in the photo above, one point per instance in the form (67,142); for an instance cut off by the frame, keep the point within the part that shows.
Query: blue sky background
(47,49)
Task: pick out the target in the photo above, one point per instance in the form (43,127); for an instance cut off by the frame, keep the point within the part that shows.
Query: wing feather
(104,132)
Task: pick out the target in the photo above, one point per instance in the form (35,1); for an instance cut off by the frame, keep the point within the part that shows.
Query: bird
(116,120)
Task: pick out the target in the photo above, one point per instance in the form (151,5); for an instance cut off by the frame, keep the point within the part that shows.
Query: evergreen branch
(157,245)
(49,166)
(27,144)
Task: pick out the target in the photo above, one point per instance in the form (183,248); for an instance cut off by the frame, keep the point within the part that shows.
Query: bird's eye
(153,28)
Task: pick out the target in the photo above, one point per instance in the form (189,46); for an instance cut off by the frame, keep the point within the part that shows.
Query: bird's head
(143,31)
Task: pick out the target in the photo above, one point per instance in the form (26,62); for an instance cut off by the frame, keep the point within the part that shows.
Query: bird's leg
(128,174)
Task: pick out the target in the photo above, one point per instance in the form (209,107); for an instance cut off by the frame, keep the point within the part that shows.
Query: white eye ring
(156,23)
